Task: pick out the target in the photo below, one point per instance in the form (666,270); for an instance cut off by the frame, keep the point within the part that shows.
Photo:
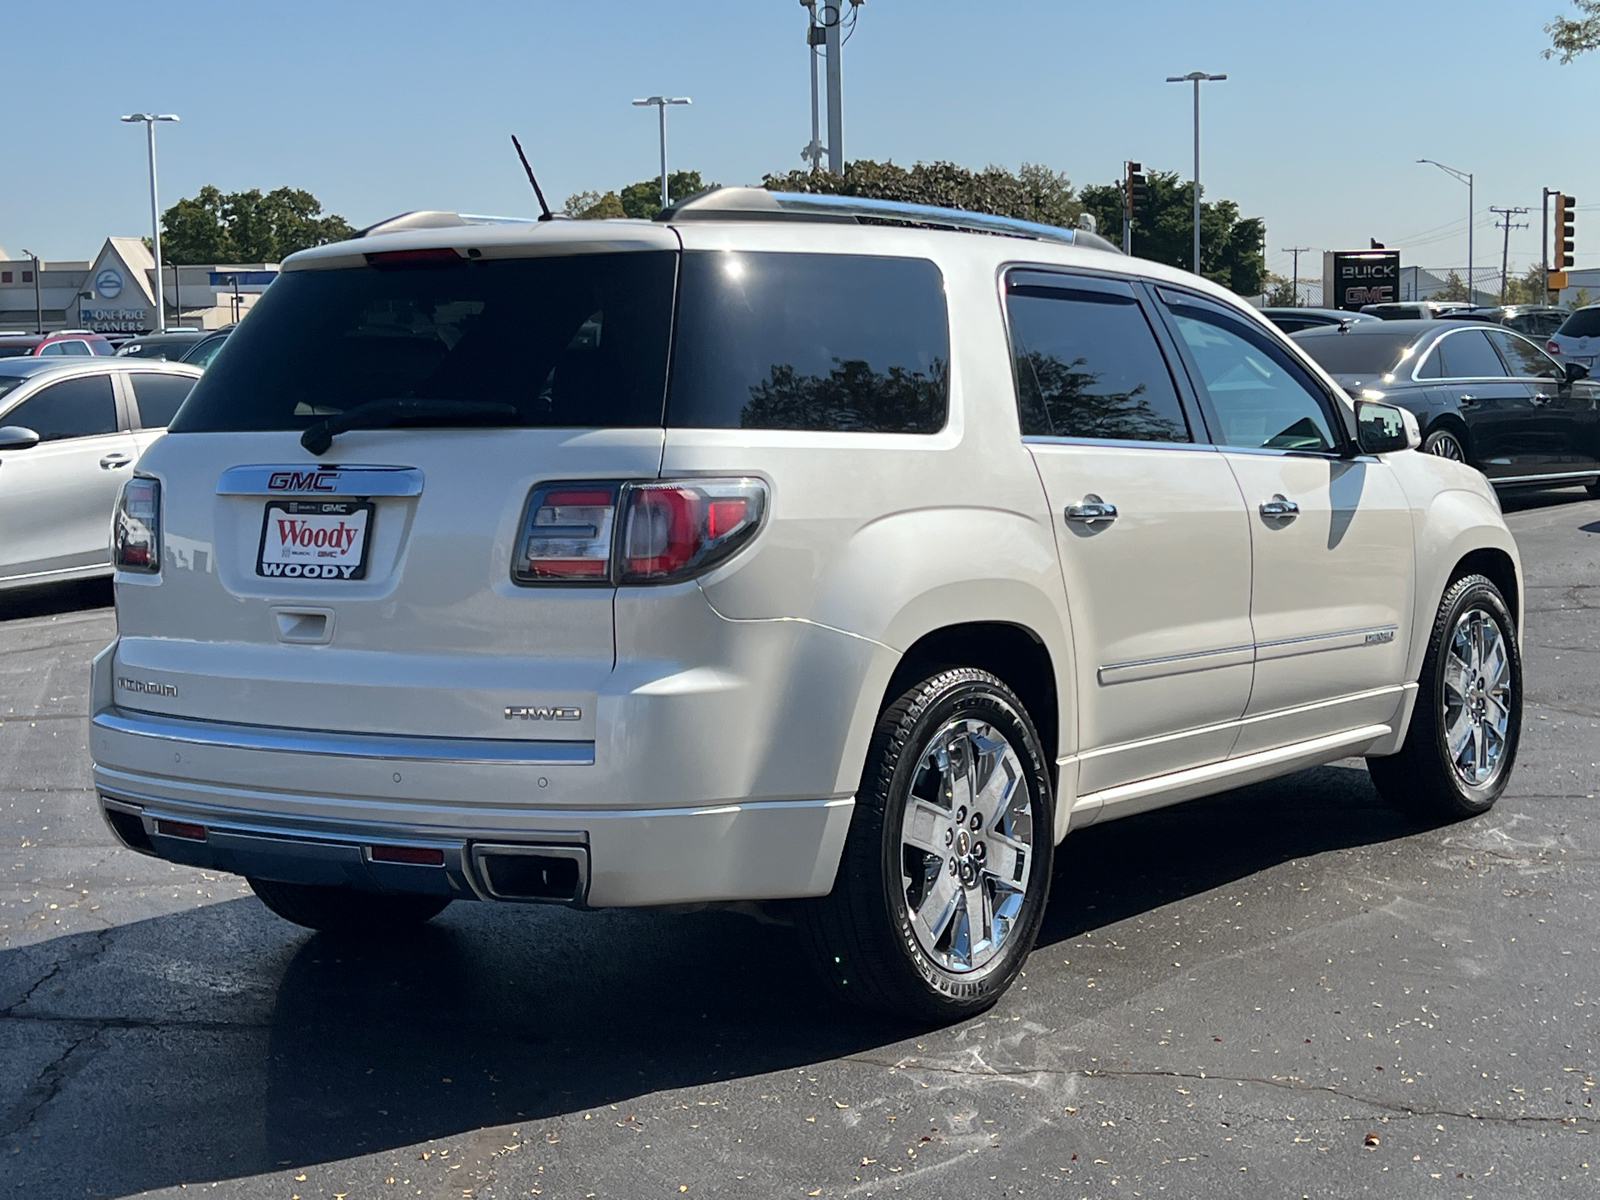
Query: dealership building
(114,292)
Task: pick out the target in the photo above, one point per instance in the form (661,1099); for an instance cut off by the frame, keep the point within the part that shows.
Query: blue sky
(380,108)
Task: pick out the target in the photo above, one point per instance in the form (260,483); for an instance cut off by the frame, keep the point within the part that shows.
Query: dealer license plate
(314,539)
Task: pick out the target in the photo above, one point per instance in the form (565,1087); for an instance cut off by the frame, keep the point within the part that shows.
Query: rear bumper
(765,850)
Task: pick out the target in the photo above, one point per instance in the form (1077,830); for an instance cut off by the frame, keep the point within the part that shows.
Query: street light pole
(38,302)
(1466,178)
(1296,251)
(150,120)
(1196,78)
(661,103)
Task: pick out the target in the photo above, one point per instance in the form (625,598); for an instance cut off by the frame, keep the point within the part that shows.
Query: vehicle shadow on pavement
(53,599)
(221,1042)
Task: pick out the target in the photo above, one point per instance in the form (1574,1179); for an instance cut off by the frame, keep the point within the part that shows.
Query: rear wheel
(1462,743)
(946,871)
(1444,444)
(346,910)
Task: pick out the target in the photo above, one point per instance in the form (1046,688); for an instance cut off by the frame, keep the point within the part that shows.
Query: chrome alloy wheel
(1476,697)
(1445,445)
(966,845)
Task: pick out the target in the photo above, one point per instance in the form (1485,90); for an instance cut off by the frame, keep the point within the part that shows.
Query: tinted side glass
(1583,323)
(578,340)
(72,408)
(1468,355)
(810,342)
(159,396)
(53,349)
(1523,357)
(1432,367)
(1262,398)
(1088,365)
(76,347)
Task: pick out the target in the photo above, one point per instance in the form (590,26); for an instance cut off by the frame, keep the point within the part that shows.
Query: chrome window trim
(1435,344)
(354,479)
(1043,439)
(374,746)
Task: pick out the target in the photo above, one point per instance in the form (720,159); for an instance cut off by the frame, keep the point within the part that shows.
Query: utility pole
(1506,224)
(38,302)
(1297,251)
(1544,239)
(831,20)
(1196,78)
(815,36)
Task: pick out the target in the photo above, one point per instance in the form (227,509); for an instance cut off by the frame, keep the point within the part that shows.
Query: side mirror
(1384,428)
(15,437)
(1575,372)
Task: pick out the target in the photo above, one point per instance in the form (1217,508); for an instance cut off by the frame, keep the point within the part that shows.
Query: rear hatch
(375,587)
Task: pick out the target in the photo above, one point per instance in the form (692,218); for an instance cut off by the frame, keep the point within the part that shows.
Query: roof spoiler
(437,219)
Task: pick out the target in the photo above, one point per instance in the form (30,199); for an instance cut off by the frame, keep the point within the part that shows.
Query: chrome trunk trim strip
(380,747)
(319,479)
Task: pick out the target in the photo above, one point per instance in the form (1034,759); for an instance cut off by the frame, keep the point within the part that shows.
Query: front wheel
(1462,743)
(1444,444)
(946,870)
(346,910)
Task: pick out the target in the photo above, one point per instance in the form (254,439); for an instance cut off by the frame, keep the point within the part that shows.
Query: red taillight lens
(136,527)
(677,529)
(566,534)
(182,829)
(1553,347)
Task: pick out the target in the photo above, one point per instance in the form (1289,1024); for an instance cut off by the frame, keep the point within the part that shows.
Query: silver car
(1578,339)
(70,431)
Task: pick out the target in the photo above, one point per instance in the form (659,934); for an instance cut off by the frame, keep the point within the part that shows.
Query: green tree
(1453,289)
(1032,193)
(1580,298)
(219,227)
(1231,248)
(1527,288)
(640,200)
(1572,36)
(593,206)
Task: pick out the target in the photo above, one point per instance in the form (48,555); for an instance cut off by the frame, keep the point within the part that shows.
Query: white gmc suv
(783,548)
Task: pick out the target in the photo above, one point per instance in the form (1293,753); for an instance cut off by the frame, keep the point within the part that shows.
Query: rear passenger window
(159,397)
(1468,355)
(810,342)
(69,409)
(1087,362)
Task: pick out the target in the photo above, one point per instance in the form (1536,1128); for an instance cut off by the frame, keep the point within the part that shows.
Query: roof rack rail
(435,219)
(758,204)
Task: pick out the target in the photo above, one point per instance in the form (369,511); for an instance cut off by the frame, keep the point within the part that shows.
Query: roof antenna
(547,215)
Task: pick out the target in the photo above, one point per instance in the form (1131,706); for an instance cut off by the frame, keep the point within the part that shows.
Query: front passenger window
(73,408)
(1261,398)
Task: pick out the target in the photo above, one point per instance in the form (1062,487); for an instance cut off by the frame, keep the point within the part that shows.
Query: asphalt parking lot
(1288,990)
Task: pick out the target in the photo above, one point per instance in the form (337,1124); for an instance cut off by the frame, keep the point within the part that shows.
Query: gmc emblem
(303,481)
(543,713)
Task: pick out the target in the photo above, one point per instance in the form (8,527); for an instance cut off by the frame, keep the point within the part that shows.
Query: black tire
(1444,443)
(862,935)
(346,910)
(1425,774)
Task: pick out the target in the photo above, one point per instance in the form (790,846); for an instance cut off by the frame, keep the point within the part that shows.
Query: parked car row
(67,343)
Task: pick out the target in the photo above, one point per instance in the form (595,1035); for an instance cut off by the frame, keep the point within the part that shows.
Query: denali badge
(147,686)
(1380,637)
(543,713)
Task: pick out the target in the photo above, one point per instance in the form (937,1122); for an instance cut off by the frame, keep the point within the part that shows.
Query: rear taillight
(1553,346)
(673,530)
(647,532)
(567,534)
(136,527)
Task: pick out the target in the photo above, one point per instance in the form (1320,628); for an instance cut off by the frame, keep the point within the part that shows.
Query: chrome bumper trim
(380,747)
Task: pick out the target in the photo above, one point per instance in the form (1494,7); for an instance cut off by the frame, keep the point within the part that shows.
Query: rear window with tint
(851,343)
(1354,353)
(579,340)
(1583,323)
(159,396)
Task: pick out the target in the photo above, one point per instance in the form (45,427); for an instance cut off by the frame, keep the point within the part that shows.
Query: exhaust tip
(533,874)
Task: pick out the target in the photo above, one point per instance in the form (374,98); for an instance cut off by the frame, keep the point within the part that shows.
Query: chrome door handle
(1280,508)
(1092,509)
(1468,401)
(1540,398)
(112,461)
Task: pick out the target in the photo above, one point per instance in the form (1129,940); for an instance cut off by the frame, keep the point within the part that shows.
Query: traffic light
(1566,216)
(1138,191)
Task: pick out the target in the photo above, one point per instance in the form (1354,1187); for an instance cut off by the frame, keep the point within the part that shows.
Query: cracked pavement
(1288,990)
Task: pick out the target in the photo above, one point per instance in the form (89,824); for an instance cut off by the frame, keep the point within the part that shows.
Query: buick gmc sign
(1351,278)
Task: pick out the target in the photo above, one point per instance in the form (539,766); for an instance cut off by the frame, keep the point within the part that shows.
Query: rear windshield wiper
(383,414)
